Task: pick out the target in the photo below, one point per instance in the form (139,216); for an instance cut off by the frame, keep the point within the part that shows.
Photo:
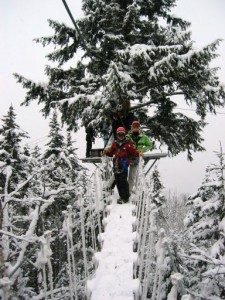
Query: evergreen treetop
(11,135)
(133,51)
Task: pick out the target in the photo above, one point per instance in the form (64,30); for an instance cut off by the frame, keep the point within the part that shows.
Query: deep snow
(114,276)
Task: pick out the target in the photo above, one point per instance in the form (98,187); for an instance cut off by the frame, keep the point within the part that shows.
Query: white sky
(22,21)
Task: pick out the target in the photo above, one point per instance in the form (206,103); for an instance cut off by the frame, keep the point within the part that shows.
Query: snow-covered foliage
(157,188)
(206,231)
(157,247)
(174,212)
(10,148)
(33,252)
(133,52)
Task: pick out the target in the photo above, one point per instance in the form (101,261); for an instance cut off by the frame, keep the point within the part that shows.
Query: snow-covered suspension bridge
(131,256)
(128,247)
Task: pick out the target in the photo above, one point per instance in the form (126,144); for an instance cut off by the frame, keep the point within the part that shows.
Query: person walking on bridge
(142,144)
(121,150)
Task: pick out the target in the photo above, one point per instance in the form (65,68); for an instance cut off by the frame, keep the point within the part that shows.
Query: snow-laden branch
(198,296)
(202,256)
(21,238)
(24,244)
(27,200)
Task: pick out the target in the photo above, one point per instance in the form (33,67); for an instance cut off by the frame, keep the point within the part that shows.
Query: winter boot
(120,201)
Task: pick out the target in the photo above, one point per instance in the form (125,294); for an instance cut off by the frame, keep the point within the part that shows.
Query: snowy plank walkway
(114,275)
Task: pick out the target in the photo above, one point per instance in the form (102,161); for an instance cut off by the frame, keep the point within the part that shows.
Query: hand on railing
(103,153)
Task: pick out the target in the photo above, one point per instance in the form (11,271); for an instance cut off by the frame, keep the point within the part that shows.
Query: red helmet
(136,123)
(121,130)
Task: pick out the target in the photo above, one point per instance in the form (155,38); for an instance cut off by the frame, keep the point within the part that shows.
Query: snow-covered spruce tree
(56,144)
(12,173)
(166,266)
(133,50)
(10,148)
(21,204)
(65,178)
(36,152)
(157,187)
(52,185)
(174,211)
(167,260)
(20,233)
(206,231)
(72,151)
(157,196)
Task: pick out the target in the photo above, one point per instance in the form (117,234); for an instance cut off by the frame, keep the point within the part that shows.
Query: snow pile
(114,275)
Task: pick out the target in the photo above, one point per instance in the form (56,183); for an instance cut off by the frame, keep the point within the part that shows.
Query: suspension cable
(75,25)
(90,51)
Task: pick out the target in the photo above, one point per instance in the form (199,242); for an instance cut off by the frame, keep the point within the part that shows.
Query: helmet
(121,130)
(136,123)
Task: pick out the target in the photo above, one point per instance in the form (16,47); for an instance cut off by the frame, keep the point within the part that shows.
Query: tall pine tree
(11,137)
(158,197)
(133,50)
(64,178)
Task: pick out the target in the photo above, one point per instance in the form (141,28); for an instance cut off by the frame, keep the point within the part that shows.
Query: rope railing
(153,246)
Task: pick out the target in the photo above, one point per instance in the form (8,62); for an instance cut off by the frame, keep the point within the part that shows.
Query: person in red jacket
(120,150)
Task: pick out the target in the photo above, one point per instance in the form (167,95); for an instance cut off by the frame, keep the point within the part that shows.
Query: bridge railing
(151,244)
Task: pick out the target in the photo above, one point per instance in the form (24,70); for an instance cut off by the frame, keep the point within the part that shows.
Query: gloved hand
(103,153)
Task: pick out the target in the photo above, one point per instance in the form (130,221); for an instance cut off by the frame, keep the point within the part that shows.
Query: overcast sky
(23,20)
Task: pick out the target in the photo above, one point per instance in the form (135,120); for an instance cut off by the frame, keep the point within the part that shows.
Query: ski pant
(132,176)
(122,185)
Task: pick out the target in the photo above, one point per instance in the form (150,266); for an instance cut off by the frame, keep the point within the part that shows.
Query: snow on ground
(114,275)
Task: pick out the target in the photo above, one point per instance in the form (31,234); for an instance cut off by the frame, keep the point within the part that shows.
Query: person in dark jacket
(90,138)
(105,131)
(122,117)
(120,150)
